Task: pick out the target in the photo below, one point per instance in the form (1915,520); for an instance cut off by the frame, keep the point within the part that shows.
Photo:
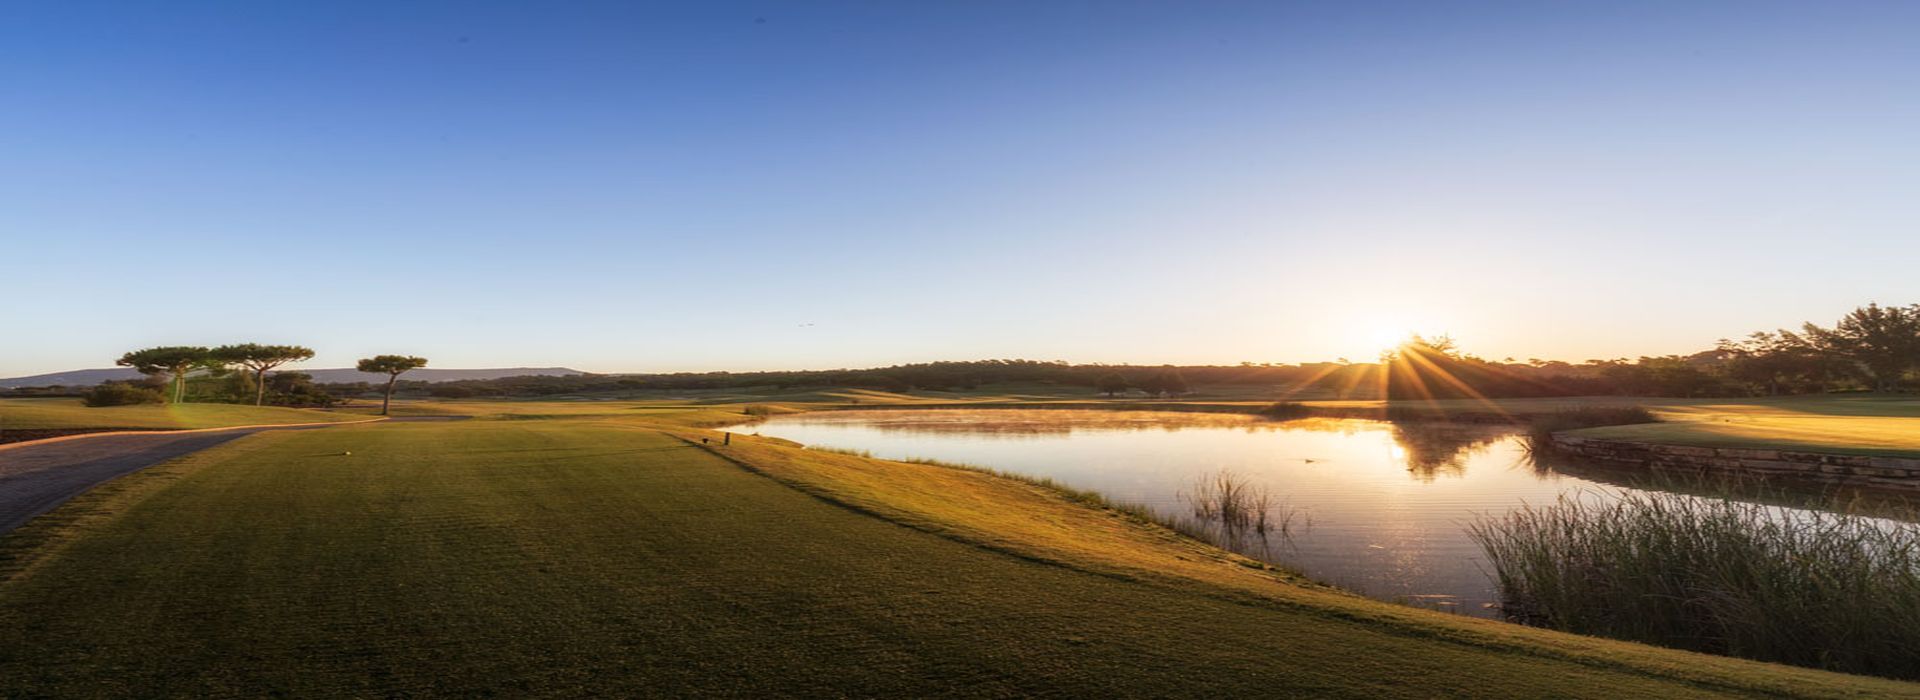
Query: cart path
(36,478)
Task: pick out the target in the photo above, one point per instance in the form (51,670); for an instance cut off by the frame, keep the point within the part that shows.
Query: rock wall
(1850,470)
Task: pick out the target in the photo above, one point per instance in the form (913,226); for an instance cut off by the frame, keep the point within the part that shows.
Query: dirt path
(35,478)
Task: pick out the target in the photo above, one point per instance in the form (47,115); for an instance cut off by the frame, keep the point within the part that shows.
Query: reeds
(1232,509)
(1806,587)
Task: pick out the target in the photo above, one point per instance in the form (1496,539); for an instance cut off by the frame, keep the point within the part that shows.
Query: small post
(727,439)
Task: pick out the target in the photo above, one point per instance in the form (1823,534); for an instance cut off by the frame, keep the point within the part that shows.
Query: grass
(1716,574)
(66,414)
(1844,425)
(602,556)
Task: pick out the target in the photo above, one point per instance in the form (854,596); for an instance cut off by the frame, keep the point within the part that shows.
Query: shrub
(122,394)
(1540,429)
(1286,410)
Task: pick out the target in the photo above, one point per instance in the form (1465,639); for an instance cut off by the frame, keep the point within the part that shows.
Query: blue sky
(624,187)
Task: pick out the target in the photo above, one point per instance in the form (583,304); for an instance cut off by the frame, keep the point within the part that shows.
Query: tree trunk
(260,387)
(384,403)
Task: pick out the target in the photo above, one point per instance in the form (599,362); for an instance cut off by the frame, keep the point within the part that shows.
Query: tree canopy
(260,359)
(175,361)
(393,366)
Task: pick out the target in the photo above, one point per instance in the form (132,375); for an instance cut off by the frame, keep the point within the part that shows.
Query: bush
(1286,410)
(119,394)
(1541,428)
(295,389)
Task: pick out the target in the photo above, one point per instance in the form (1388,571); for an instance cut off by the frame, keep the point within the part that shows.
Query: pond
(1377,508)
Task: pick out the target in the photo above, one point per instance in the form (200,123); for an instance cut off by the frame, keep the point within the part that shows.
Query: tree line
(244,367)
(1872,348)
(933,376)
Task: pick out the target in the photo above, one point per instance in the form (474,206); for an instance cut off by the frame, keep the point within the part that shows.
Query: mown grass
(66,413)
(600,556)
(1772,427)
(1807,587)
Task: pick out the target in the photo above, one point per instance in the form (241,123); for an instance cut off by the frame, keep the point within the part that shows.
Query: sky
(625,187)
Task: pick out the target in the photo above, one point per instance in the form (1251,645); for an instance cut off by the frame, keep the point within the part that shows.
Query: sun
(1371,333)
(1385,336)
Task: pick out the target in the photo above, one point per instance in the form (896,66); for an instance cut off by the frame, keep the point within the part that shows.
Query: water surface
(1378,508)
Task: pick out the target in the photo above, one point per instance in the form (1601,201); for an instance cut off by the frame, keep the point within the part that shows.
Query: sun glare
(1385,336)
(1369,334)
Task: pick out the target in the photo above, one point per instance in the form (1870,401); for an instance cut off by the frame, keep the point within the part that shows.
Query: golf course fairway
(597,556)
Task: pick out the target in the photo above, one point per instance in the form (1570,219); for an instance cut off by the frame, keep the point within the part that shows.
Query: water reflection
(1444,449)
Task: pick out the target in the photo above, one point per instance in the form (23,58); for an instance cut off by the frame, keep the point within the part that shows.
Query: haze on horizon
(779,186)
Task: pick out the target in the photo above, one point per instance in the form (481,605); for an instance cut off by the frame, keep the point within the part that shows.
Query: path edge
(83,436)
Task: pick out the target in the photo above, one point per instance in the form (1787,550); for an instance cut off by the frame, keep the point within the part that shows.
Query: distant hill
(90,377)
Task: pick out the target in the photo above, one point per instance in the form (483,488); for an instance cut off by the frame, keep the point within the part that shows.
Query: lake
(1377,508)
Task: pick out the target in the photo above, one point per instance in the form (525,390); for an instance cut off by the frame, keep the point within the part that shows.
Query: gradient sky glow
(616,187)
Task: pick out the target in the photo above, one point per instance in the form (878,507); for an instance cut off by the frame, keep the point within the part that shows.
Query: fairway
(68,414)
(587,558)
(1878,425)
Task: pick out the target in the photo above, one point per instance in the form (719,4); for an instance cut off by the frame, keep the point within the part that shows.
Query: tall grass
(1714,574)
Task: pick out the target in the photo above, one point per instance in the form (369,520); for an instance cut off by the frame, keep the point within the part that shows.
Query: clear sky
(620,187)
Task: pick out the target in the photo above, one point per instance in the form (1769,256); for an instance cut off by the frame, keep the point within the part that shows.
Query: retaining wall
(1850,470)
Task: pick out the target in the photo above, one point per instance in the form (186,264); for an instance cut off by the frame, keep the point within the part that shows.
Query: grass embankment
(595,556)
(69,414)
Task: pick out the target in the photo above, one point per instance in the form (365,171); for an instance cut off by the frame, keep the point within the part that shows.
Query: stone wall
(1850,470)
